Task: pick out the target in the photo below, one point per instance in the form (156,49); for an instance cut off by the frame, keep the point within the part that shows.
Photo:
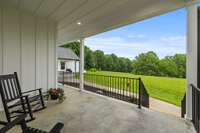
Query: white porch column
(82,64)
(191,71)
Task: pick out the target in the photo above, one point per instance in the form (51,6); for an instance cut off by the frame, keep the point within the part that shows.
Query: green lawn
(167,89)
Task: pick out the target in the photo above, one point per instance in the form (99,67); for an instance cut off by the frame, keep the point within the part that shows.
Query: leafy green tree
(180,60)
(108,63)
(89,59)
(129,66)
(115,60)
(99,59)
(75,46)
(146,64)
(174,66)
(168,67)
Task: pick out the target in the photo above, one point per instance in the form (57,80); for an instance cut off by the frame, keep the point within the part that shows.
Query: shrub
(93,69)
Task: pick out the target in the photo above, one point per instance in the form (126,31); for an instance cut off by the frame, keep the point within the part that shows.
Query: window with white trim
(62,65)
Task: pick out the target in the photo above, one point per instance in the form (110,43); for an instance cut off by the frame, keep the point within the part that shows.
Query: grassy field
(167,89)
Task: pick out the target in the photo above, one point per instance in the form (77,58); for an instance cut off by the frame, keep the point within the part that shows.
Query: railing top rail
(195,87)
(111,76)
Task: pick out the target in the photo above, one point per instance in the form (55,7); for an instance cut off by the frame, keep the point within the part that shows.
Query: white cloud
(166,45)
(174,40)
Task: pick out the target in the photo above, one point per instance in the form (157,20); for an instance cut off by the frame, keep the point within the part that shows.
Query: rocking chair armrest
(19,97)
(20,119)
(24,96)
(57,128)
(31,91)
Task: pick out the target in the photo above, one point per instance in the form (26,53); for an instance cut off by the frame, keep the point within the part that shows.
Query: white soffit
(96,16)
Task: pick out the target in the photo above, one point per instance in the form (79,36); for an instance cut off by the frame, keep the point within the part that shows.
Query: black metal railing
(183,106)
(196,107)
(69,78)
(123,88)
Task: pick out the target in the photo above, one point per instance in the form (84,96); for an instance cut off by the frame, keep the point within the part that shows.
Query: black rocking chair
(12,98)
(25,129)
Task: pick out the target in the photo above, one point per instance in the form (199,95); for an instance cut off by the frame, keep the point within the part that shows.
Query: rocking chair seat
(19,102)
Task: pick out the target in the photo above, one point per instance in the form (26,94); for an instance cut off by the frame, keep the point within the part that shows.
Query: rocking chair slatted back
(9,87)
(12,98)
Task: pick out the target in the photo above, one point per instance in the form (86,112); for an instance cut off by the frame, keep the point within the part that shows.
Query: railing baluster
(116,95)
(123,89)
(63,78)
(110,86)
(126,86)
(118,88)
(107,85)
(136,88)
(113,91)
(132,90)
(114,87)
(129,80)
(139,99)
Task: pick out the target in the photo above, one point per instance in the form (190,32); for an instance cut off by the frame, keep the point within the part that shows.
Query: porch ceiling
(96,16)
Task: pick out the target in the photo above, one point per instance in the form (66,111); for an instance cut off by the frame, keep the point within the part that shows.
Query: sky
(165,35)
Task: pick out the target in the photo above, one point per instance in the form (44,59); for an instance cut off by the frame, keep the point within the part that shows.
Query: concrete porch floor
(87,113)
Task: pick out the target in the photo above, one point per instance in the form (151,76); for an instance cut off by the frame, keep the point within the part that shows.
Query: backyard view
(164,79)
(141,51)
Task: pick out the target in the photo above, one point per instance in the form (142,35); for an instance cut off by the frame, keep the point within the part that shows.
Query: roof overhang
(96,16)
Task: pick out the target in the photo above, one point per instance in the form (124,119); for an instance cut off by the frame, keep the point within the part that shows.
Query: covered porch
(31,31)
(83,112)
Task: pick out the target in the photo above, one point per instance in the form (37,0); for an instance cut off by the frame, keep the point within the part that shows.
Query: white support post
(191,70)
(56,67)
(82,64)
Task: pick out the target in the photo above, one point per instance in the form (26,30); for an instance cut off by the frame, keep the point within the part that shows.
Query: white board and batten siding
(28,47)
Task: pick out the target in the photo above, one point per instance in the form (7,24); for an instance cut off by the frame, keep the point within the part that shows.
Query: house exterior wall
(28,47)
(69,64)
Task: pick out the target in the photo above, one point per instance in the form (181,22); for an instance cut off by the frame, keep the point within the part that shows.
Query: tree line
(144,64)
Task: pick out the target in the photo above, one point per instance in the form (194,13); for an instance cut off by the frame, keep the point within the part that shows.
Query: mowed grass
(171,90)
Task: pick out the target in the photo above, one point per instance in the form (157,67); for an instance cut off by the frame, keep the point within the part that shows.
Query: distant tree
(75,46)
(89,59)
(115,65)
(168,67)
(108,63)
(99,59)
(173,66)
(129,66)
(146,64)
(180,60)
